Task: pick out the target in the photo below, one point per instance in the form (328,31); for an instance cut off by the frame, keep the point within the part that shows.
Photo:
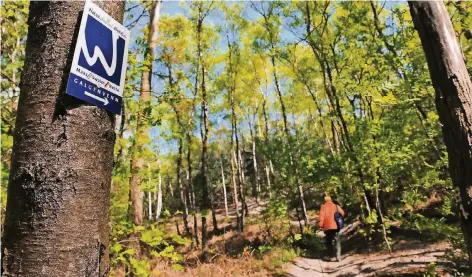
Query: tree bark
(62,159)
(239,218)
(205,205)
(150,205)
(191,191)
(183,200)
(224,187)
(242,190)
(269,191)
(183,191)
(159,198)
(236,163)
(255,186)
(453,88)
(294,170)
(136,194)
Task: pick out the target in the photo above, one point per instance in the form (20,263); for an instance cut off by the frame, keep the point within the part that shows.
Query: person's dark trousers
(331,235)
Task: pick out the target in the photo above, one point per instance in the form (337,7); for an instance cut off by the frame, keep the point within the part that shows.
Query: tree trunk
(242,189)
(159,198)
(453,99)
(191,193)
(205,205)
(235,149)
(286,128)
(255,187)
(183,200)
(121,133)
(150,205)
(62,159)
(170,188)
(213,212)
(269,191)
(142,128)
(280,95)
(224,187)
(239,218)
(320,114)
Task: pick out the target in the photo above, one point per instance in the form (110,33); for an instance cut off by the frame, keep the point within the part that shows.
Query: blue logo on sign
(103,45)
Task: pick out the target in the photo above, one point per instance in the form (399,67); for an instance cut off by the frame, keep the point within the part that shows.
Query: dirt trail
(377,264)
(411,255)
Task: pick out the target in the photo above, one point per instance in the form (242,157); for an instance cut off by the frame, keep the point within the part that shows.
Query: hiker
(330,227)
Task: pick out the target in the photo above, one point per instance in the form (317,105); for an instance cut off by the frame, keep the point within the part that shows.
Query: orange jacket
(327,211)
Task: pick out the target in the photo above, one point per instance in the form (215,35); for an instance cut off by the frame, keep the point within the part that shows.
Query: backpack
(338,217)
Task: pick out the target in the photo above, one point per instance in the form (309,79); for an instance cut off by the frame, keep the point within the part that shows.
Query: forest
(238,118)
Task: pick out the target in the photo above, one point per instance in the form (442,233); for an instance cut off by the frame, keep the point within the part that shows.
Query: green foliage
(159,243)
(277,257)
(355,89)
(431,270)
(276,222)
(140,268)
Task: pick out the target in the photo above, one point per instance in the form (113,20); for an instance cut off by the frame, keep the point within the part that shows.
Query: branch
(9,79)
(131,8)
(143,14)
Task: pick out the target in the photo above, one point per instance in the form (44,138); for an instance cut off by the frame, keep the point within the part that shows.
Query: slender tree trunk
(239,218)
(280,95)
(320,114)
(267,171)
(272,171)
(255,187)
(190,185)
(205,205)
(334,132)
(334,99)
(121,132)
(213,212)
(286,128)
(224,187)
(183,200)
(62,159)
(195,228)
(453,99)
(234,131)
(170,188)
(150,205)
(384,228)
(184,194)
(142,127)
(235,142)
(242,189)
(159,198)
(240,172)
(268,165)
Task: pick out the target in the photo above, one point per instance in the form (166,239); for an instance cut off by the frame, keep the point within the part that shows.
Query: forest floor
(409,257)
(235,254)
(400,262)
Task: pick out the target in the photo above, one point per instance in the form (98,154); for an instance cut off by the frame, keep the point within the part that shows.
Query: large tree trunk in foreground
(453,99)
(59,188)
